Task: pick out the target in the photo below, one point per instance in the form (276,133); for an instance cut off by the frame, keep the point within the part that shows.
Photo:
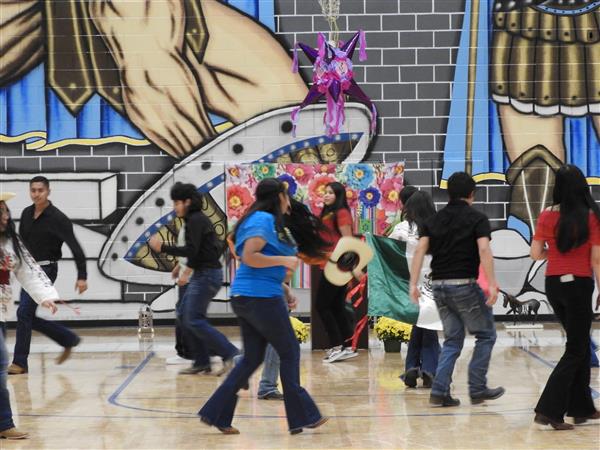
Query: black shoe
(443,400)
(410,377)
(273,395)
(488,394)
(427,380)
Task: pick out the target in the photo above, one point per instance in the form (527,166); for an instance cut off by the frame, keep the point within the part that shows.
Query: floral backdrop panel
(372,191)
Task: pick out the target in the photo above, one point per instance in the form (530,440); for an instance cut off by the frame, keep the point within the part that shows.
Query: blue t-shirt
(264,282)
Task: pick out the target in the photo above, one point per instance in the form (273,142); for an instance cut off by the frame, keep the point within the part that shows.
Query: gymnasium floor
(117,393)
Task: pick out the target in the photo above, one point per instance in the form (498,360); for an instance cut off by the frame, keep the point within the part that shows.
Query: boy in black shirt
(203,251)
(44,229)
(458,238)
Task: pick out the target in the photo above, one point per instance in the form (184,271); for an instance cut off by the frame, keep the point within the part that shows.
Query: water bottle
(145,322)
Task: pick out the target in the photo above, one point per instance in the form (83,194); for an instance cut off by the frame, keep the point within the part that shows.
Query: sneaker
(443,400)
(427,380)
(13,369)
(66,354)
(334,355)
(348,353)
(176,360)
(273,395)
(329,352)
(488,394)
(13,434)
(410,377)
(193,370)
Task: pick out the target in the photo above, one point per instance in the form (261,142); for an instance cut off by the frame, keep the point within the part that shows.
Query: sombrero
(5,196)
(347,260)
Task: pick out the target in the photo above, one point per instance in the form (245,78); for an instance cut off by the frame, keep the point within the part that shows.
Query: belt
(456,282)
(46,263)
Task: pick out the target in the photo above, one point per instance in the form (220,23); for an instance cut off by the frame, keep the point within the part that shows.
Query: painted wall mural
(180,91)
(525,100)
(166,72)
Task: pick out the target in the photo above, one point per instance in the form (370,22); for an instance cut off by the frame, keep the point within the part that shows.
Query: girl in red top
(571,231)
(331,299)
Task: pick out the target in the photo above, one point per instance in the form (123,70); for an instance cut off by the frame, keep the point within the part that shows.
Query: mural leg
(535,148)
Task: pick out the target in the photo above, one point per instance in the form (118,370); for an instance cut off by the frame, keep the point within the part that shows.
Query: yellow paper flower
(390,329)
(301,330)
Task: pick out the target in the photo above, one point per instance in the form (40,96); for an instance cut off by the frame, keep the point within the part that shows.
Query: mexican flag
(388,279)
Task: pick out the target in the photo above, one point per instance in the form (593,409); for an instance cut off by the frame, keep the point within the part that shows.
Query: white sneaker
(177,360)
(330,351)
(347,353)
(334,355)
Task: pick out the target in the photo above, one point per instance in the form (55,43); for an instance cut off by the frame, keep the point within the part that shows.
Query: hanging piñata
(333,79)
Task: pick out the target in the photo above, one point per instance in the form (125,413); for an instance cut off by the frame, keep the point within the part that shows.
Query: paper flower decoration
(333,79)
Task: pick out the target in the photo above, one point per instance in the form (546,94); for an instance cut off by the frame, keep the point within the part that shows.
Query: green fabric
(388,281)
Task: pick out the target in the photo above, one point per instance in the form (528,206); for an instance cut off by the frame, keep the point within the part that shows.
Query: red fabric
(577,261)
(4,277)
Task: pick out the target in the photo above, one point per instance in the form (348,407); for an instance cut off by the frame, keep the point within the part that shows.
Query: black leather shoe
(488,394)
(443,400)
(427,380)
(410,377)
(544,420)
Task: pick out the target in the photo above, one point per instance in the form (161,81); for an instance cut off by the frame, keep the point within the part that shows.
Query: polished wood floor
(117,393)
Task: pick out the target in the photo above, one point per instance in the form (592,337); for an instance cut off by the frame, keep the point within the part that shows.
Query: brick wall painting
(126,107)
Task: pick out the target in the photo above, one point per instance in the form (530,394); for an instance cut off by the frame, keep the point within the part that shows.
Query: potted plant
(392,333)
(301,330)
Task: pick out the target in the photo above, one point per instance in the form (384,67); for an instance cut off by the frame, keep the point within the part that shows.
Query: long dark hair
(572,194)
(418,208)
(267,200)
(307,230)
(187,191)
(11,233)
(341,202)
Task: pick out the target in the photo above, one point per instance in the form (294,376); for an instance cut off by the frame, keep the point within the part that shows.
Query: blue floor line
(595,393)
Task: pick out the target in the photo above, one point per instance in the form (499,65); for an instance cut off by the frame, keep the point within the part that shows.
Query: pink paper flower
(390,195)
(351,198)
(303,173)
(239,199)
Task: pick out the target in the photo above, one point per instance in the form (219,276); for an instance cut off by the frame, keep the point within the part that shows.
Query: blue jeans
(187,344)
(203,286)
(423,351)
(270,372)
(262,321)
(461,306)
(27,320)
(6,421)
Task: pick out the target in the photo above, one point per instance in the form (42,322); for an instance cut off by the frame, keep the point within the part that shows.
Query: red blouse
(333,234)
(576,261)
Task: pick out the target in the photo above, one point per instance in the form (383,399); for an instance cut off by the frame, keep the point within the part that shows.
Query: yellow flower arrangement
(301,330)
(390,329)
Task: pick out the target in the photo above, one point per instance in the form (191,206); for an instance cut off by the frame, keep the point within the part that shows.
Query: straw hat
(5,196)
(348,259)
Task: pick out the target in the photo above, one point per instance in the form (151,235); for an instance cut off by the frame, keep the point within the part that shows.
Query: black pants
(568,388)
(331,306)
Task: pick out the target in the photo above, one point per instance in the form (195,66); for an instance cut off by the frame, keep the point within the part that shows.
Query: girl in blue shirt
(268,251)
